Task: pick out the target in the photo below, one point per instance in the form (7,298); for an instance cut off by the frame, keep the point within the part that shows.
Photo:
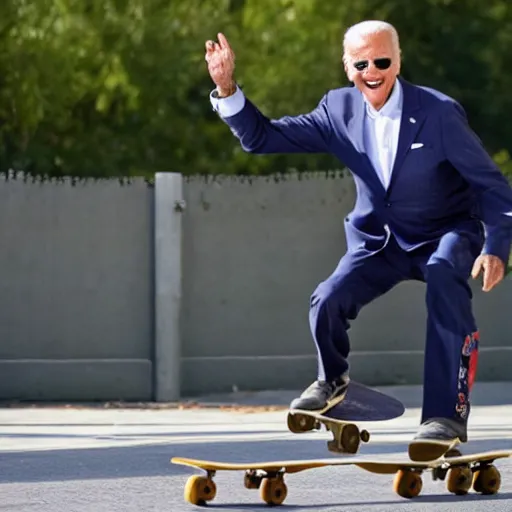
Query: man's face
(367,58)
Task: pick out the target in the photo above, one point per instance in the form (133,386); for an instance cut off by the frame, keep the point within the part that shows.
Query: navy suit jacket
(448,184)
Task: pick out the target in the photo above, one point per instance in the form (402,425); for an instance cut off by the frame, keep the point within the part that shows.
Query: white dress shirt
(381,131)
(381,128)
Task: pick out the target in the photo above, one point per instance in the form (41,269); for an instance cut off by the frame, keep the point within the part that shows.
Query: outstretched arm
(467,154)
(306,133)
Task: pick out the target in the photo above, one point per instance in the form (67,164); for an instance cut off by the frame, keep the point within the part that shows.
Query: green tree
(120,87)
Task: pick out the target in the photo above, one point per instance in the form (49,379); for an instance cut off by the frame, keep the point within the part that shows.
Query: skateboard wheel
(407,484)
(273,491)
(298,423)
(487,480)
(350,439)
(346,440)
(252,480)
(365,436)
(459,480)
(199,490)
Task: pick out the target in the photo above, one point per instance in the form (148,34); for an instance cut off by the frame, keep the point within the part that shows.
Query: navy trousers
(451,346)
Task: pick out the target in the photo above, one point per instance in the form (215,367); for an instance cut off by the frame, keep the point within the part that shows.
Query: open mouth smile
(373,84)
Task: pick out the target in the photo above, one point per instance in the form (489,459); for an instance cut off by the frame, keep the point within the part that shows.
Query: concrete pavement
(97,458)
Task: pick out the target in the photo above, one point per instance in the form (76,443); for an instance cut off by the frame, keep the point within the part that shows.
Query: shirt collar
(392,106)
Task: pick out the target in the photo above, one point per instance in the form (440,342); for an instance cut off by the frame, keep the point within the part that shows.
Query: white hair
(370,27)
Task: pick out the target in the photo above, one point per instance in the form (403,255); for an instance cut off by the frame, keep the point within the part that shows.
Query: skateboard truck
(440,472)
(252,479)
(346,436)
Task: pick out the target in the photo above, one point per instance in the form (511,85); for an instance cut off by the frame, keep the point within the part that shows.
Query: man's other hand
(493,269)
(221,65)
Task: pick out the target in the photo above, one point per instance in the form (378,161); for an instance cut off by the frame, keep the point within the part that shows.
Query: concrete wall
(137,293)
(76,290)
(253,253)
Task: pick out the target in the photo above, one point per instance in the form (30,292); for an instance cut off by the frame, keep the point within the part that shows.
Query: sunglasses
(382,63)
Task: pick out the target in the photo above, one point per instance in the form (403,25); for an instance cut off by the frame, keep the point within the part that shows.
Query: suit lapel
(410,123)
(355,124)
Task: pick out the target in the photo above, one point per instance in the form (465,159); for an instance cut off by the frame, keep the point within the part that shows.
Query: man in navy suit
(431,206)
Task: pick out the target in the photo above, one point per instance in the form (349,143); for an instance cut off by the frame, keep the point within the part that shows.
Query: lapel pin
(412,120)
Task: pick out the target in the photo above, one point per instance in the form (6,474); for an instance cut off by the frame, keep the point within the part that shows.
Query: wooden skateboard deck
(462,472)
(424,450)
(360,403)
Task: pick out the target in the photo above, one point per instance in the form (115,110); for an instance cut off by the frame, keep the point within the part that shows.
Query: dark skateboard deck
(361,403)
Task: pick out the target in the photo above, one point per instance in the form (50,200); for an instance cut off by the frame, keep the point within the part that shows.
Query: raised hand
(221,65)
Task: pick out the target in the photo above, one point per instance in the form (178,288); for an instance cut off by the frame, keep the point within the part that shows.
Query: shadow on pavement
(446,499)
(154,459)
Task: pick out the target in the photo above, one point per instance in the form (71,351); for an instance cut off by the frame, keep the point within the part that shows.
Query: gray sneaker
(322,395)
(435,437)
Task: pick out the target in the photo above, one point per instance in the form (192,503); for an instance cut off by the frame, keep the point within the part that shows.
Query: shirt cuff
(229,106)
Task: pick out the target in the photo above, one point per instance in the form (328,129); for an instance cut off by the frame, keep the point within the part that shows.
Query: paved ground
(77,459)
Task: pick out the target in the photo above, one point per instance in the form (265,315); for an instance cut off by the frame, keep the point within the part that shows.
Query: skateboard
(460,471)
(360,403)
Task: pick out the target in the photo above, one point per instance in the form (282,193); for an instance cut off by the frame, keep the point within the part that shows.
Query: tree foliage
(120,87)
